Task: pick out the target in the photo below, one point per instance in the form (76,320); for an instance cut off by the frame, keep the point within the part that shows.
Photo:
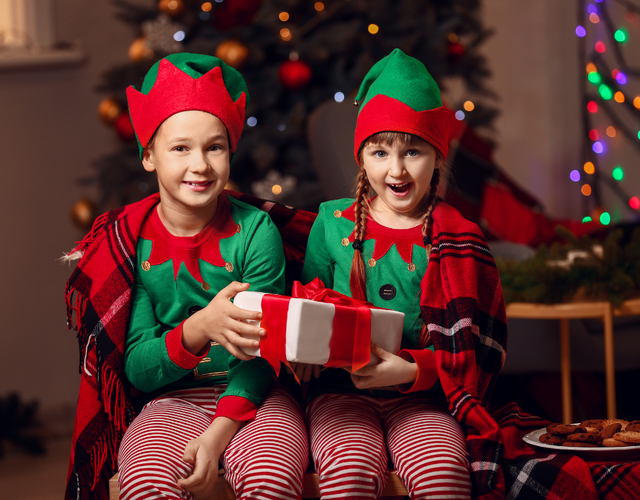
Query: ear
(148,159)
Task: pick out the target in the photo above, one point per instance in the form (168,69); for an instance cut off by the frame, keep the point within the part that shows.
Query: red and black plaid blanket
(461,302)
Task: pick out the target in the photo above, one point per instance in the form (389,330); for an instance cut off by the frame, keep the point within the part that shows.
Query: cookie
(551,439)
(610,430)
(580,444)
(561,429)
(584,437)
(614,443)
(609,421)
(593,423)
(628,437)
(633,426)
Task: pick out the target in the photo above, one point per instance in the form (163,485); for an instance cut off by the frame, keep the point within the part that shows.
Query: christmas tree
(294,55)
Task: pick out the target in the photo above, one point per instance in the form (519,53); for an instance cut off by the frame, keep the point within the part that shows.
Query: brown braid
(357,279)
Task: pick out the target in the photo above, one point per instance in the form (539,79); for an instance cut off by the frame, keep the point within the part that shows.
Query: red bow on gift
(350,343)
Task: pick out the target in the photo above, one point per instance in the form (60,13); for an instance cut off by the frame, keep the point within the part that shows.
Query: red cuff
(425,360)
(236,408)
(178,354)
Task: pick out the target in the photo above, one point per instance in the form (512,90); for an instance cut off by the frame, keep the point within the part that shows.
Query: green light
(618,173)
(605,92)
(586,219)
(594,77)
(605,218)
(621,35)
(638,134)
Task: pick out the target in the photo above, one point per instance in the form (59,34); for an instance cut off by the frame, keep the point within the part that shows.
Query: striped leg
(347,446)
(428,450)
(268,457)
(150,456)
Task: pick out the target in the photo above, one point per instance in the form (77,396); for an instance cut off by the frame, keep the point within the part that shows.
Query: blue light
(581,32)
(459,115)
(574,175)
(282,127)
(592,9)
(597,147)
(179,36)
(599,1)
(339,96)
(252,121)
(621,78)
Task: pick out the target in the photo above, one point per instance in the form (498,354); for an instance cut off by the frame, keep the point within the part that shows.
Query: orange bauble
(171,7)
(109,110)
(233,52)
(83,213)
(139,50)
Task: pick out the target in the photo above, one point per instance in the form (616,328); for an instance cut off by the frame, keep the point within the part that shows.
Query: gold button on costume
(229,267)
(337,214)
(345,242)
(145,265)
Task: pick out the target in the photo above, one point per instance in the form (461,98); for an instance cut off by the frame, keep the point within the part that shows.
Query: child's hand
(200,453)
(222,322)
(204,452)
(390,370)
(304,372)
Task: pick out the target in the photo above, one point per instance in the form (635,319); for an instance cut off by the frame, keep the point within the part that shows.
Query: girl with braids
(381,249)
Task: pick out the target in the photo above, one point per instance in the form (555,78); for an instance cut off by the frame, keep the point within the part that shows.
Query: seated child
(182,256)
(390,250)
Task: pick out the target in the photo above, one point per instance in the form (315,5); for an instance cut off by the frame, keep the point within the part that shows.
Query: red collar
(384,237)
(189,249)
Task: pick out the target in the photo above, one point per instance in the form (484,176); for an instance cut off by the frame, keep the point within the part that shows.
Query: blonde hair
(357,277)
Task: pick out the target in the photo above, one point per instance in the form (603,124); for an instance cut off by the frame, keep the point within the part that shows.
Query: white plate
(604,453)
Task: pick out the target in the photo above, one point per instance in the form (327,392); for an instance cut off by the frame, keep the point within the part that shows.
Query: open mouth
(400,188)
(197,183)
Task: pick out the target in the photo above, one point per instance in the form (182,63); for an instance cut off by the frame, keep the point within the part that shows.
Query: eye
(179,149)
(379,154)
(412,152)
(215,147)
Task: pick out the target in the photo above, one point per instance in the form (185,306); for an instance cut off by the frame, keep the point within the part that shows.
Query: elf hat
(399,95)
(184,82)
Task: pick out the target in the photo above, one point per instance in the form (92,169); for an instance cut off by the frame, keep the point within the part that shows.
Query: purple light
(459,115)
(592,9)
(599,1)
(597,147)
(574,175)
(581,32)
(621,78)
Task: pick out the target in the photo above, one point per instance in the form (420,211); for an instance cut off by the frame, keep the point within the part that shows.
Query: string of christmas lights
(611,108)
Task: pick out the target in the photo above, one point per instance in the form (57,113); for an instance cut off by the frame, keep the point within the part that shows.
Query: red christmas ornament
(235,13)
(294,74)
(123,127)
(456,50)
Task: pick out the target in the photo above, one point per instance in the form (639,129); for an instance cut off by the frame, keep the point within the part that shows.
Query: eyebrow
(218,137)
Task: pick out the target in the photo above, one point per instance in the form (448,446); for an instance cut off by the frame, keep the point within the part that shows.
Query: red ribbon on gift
(350,343)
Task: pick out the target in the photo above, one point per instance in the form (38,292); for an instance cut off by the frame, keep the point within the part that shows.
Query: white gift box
(310,324)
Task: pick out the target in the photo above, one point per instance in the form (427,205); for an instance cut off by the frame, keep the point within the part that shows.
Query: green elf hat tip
(399,95)
(184,82)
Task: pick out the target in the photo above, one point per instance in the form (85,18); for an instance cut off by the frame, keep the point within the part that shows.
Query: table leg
(565,371)
(609,364)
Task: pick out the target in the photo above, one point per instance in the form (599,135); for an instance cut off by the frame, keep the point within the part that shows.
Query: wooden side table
(565,312)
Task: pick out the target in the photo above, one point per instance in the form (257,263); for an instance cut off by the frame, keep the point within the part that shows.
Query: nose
(396,166)
(199,162)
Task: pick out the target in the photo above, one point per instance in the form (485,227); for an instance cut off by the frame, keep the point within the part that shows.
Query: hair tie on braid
(357,245)
(426,240)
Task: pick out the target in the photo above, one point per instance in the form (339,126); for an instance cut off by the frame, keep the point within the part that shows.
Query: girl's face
(400,174)
(190,156)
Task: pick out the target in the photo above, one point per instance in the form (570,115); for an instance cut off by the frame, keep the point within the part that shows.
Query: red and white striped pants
(350,435)
(266,459)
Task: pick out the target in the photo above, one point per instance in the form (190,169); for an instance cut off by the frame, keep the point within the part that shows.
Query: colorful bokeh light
(589,168)
(586,219)
(594,77)
(574,175)
(621,35)
(586,190)
(605,92)
(618,173)
(605,218)
(592,107)
(611,131)
(593,134)
(581,32)
(634,202)
(618,97)
(594,18)
(621,78)
(597,147)
(636,102)
(600,47)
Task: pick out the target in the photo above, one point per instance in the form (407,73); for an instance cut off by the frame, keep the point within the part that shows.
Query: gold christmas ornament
(108,110)
(172,8)
(233,52)
(139,50)
(82,213)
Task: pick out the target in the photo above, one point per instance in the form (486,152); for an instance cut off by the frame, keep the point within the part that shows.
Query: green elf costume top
(397,95)
(176,276)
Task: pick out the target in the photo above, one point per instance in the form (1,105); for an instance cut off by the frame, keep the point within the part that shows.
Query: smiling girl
(381,249)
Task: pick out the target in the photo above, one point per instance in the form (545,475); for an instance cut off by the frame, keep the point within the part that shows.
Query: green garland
(607,270)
